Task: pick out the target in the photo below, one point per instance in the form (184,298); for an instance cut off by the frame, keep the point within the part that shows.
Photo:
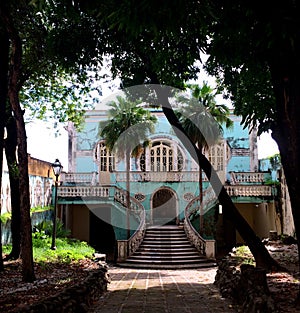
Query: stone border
(245,285)
(74,299)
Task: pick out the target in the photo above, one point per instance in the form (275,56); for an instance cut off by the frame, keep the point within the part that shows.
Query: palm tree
(202,119)
(125,134)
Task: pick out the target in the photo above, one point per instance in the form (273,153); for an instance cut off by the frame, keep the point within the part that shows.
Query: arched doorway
(164,207)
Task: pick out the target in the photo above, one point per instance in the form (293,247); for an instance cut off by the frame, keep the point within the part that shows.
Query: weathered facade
(40,181)
(164,184)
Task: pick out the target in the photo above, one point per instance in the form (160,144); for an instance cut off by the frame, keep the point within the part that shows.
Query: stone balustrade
(92,178)
(204,246)
(249,190)
(247,177)
(186,176)
(83,191)
(105,191)
(128,247)
(87,177)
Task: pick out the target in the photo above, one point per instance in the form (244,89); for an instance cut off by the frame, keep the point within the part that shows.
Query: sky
(44,144)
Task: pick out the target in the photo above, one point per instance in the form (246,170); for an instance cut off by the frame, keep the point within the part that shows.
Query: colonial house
(164,189)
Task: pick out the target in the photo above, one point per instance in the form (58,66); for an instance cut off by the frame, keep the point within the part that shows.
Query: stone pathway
(162,291)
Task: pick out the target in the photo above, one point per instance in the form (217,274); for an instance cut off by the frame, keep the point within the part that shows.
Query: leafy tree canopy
(62,51)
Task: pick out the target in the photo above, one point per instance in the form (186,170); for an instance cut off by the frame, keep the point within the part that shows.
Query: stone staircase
(167,247)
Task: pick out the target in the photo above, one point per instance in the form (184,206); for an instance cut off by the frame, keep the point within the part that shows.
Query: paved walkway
(161,291)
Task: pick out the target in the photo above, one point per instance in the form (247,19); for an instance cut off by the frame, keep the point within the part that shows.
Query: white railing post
(122,250)
(210,248)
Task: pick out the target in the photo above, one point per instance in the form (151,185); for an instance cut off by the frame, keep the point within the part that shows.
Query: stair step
(164,252)
(167,247)
(162,265)
(162,261)
(165,236)
(165,233)
(165,230)
(166,242)
(165,258)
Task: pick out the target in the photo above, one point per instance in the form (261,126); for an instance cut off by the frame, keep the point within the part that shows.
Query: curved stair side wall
(206,247)
(126,248)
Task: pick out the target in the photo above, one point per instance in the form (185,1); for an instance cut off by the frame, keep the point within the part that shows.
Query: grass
(67,249)
(243,255)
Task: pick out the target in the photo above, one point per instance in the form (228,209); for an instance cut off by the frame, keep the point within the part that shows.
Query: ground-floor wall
(262,217)
(101,225)
(77,220)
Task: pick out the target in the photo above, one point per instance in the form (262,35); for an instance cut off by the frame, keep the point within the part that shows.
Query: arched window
(161,157)
(216,157)
(104,158)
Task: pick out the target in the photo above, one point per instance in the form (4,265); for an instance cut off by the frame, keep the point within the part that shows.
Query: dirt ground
(53,278)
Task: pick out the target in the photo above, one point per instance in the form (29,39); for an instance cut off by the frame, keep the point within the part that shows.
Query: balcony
(250,184)
(92,184)
(241,178)
(176,176)
(137,176)
(249,191)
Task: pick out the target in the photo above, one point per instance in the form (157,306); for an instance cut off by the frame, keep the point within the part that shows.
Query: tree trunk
(10,152)
(287,135)
(261,255)
(13,95)
(4,53)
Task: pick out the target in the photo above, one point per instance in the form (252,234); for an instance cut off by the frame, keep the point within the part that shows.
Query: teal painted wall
(237,137)
(87,138)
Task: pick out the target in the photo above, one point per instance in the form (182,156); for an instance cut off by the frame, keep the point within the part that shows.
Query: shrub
(47,228)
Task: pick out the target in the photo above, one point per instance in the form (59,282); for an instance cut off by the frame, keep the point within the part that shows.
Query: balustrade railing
(94,178)
(247,177)
(127,247)
(204,246)
(83,178)
(104,191)
(186,176)
(83,191)
(249,190)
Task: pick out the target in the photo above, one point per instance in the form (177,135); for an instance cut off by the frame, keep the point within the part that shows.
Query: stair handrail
(127,247)
(205,246)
